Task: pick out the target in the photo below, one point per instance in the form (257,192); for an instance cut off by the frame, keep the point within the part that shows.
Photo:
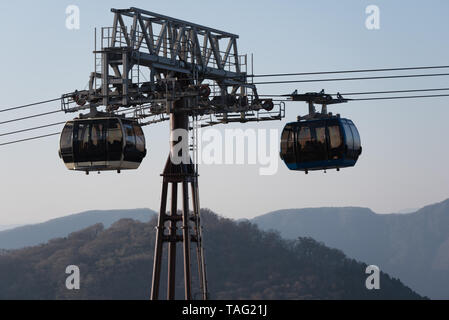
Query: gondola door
(114,145)
(97,147)
(312,142)
(89,143)
(335,140)
(134,142)
(81,142)
(320,153)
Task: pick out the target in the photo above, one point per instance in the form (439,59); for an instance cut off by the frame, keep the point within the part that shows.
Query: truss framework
(181,60)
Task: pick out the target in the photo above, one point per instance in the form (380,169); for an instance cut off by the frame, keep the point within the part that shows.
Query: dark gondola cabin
(320,144)
(97,144)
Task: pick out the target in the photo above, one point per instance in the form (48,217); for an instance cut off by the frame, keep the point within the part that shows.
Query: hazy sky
(405,146)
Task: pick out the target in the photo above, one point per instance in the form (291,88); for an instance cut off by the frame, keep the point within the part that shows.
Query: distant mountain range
(242,263)
(34,234)
(413,247)
(9,226)
(408,210)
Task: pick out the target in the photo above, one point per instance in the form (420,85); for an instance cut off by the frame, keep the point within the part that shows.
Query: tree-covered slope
(242,263)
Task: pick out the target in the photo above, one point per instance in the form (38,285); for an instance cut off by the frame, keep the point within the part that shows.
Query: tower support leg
(189,224)
(157,263)
(186,240)
(172,244)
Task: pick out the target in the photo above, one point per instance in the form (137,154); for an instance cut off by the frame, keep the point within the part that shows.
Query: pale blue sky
(405,142)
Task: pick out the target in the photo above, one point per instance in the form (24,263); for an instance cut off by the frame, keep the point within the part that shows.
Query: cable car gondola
(105,143)
(319,144)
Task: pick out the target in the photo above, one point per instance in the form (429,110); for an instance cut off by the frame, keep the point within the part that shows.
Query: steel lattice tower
(193,73)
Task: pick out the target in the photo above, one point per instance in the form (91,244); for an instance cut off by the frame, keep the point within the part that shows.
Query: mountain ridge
(33,234)
(413,247)
(248,263)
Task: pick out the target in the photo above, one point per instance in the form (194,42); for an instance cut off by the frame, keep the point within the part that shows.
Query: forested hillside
(413,247)
(242,263)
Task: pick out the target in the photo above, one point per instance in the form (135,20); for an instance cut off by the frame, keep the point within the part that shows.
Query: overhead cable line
(345,71)
(367,92)
(393,91)
(29,117)
(28,139)
(352,79)
(361,99)
(386,98)
(401,97)
(30,129)
(29,105)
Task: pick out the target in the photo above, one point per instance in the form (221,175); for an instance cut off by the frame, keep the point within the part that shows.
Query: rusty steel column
(173,174)
(168,231)
(199,234)
(186,238)
(158,245)
(172,245)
